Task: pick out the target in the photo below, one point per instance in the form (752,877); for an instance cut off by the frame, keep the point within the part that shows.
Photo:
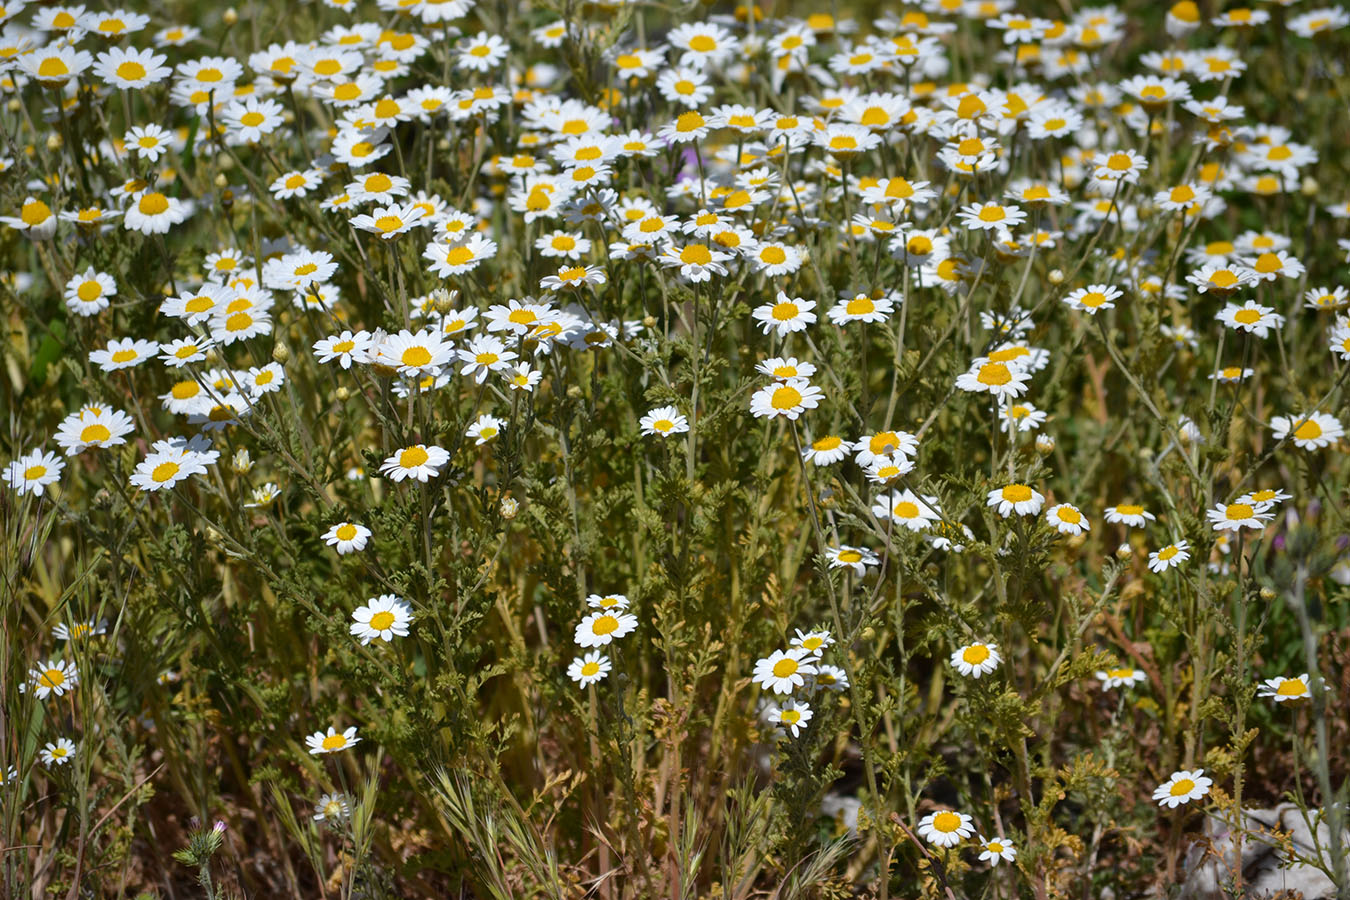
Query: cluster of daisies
(794,676)
(687,171)
(609,622)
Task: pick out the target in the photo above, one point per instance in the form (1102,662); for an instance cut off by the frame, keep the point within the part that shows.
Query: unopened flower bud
(241,462)
(342,394)
(509,507)
(230,16)
(1124,552)
(1268,594)
(54,141)
(1056,276)
(1045,444)
(280,353)
(221,180)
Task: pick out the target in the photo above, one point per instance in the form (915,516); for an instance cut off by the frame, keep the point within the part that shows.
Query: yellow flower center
(52,678)
(994,374)
(604,625)
(785,668)
(1017,493)
(696,254)
(860,306)
(96,432)
(993,213)
(1182,787)
(785,398)
(905,510)
(946,822)
(687,121)
(1070,515)
(590,668)
(153,203)
(412,457)
(334,742)
(164,471)
(1308,430)
(381,620)
(35,212)
(850,556)
(1292,687)
(416,356)
(1247,316)
(975,654)
(346,532)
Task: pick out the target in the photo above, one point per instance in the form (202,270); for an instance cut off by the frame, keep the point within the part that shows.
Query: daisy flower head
(93,426)
(1183,787)
(381,618)
(1285,690)
(1093,298)
(80,630)
(663,422)
(124,353)
(996,849)
(58,752)
(1118,167)
(791,716)
(344,348)
(1067,519)
(782,369)
(696,262)
(589,668)
(153,212)
(814,642)
(1236,516)
(946,828)
(783,671)
(991,215)
(785,398)
(485,353)
(53,677)
(332,808)
(1310,431)
(862,308)
(33,473)
(907,510)
(1221,278)
(131,69)
(1250,317)
(35,219)
(975,660)
(572,277)
(417,461)
(332,741)
(347,537)
(484,428)
(1021,499)
(1020,417)
(826,450)
(1119,678)
(607,601)
(1001,379)
(1169,557)
(1131,514)
(785,315)
(414,355)
(855,558)
(600,628)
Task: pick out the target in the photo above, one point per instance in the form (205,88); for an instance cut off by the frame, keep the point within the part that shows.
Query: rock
(1266,872)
